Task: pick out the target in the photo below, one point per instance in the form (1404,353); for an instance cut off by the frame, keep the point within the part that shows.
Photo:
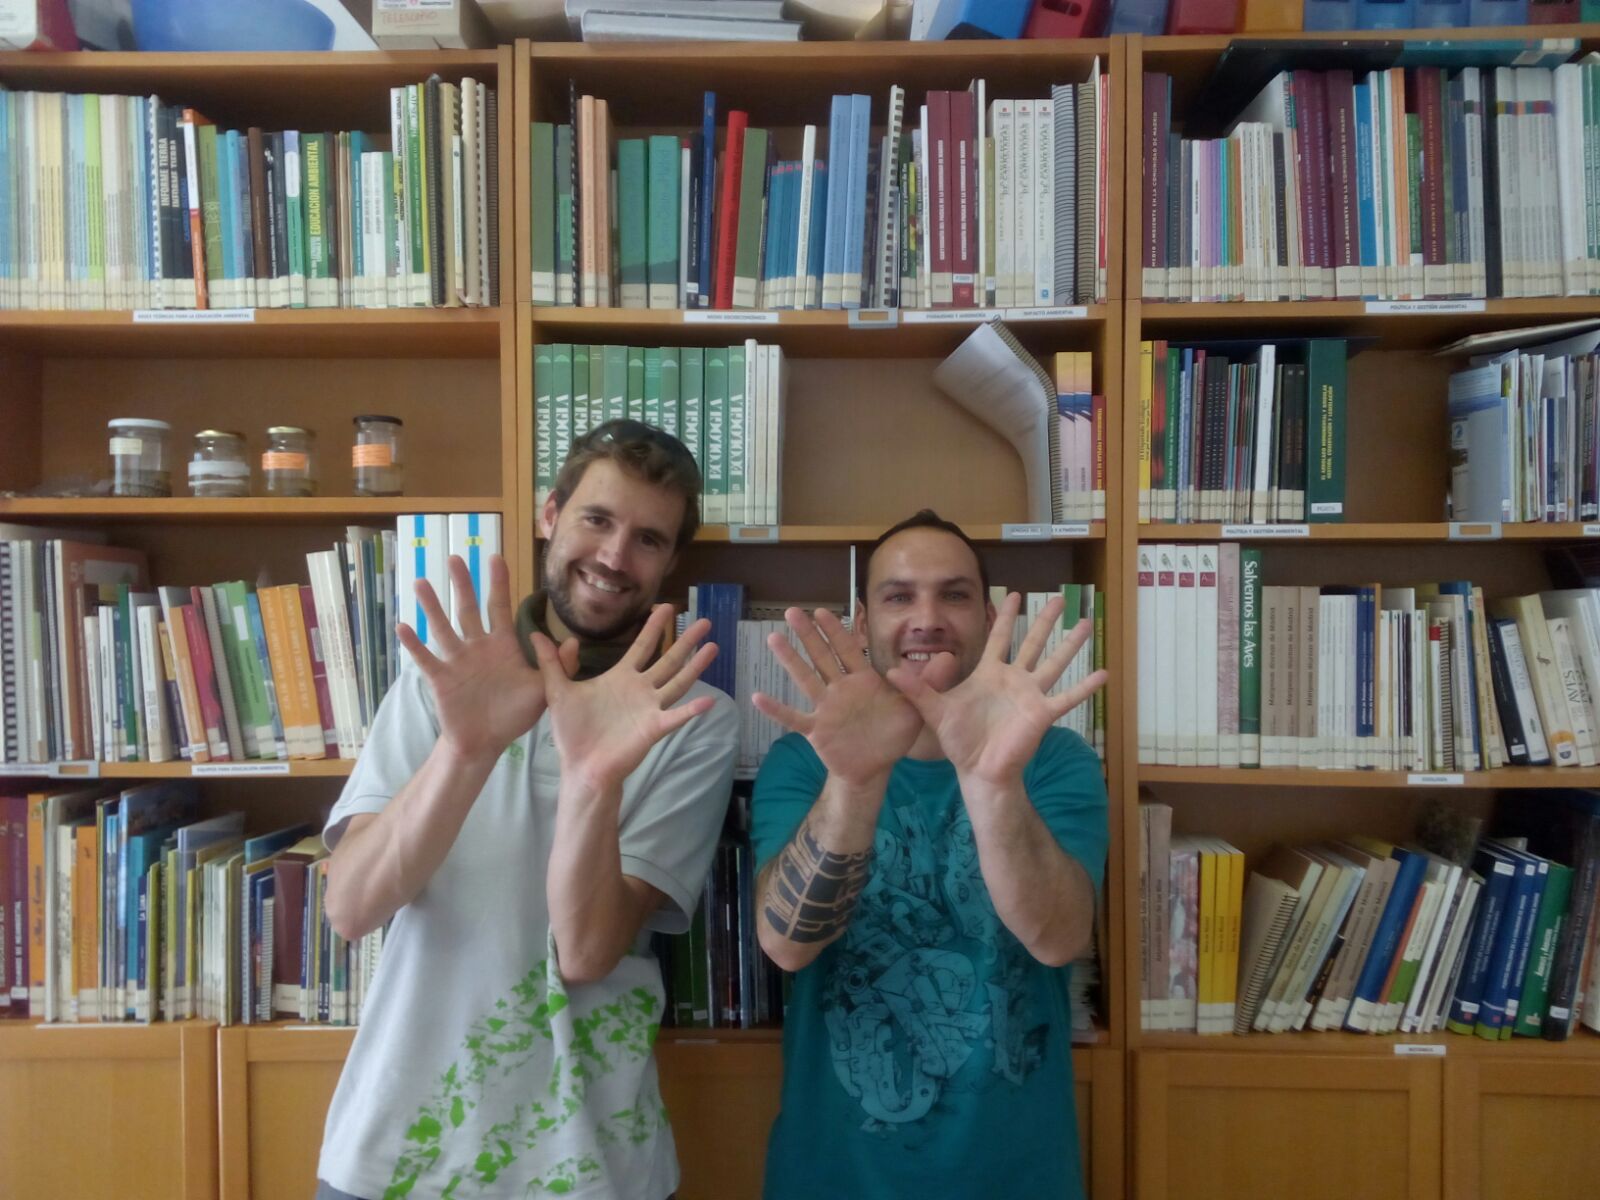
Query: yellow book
(1147,356)
(1206,974)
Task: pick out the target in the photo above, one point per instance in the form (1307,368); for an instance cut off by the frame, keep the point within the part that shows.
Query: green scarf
(594,658)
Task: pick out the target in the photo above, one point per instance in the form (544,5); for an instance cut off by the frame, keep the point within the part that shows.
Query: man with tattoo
(932,847)
(526,814)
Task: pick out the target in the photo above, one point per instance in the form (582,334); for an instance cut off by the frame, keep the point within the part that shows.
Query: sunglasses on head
(625,430)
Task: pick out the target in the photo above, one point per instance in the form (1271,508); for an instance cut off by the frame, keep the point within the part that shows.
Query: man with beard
(526,814)
(932,848)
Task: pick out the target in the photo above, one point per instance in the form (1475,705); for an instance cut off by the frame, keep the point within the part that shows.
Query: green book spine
(1099,653)
(580,391)
(317,244)
(391,235)
(632,222)
(132,731)
(616,382)
(544,474)
(238,675)
(566,229)
(351,148)
(249,682)
(1325,369)
(210,204)
(987,266)
(738,473)
(666,169)
(652,387)
(1169,449)
(635,394)
(716,435)
(417,217)
(691,407)
(699,972)
(597,385)
(95,198)
(1249,657)
(1535,996)
(671,388)
(747,241)
(1414,188)
(295,215)
(542,173)
(561,406)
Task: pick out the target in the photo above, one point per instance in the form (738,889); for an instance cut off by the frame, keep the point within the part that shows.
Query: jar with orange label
(375,457)
(286,465)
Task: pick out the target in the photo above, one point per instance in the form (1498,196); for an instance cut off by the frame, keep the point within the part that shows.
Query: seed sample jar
(286,464)
(218,467)
(139,457)
(375,457)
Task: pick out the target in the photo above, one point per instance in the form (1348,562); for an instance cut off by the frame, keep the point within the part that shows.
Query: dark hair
(926,519)
(644,452)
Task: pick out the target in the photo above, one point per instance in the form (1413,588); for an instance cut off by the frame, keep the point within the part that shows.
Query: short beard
(559,595)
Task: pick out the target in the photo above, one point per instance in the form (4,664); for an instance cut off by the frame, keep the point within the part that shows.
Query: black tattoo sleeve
(813,891)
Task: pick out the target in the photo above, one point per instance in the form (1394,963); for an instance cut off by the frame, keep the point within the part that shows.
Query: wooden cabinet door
(1097,1076)
(721,1097)
(276,1085)
(1521,1127)
(1237,1124)
(106,1111)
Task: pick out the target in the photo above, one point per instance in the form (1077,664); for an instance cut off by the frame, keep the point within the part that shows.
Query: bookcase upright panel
(1519,1127)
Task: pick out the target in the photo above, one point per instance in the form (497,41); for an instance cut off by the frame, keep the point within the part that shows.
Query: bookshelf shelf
(1507,777)
(261,333)
(1376,531)
(251,509)
(317,768)
(847,534)
(1582,1045)
(697,1037)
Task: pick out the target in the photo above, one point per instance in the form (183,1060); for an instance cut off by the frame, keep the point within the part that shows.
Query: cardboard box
(430,25)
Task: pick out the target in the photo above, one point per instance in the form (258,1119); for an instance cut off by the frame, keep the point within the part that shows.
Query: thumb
(568,654)
(550,664)
(915,687)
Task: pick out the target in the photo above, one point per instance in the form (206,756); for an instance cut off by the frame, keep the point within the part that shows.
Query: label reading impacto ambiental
(1070,312)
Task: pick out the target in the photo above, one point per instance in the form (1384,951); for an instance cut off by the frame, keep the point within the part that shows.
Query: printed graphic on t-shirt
(928,992)
(522,1077)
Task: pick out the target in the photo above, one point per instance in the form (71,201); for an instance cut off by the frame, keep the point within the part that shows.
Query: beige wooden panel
(1317,1128)
(92,1112)
(1517,1128)
(722,1098)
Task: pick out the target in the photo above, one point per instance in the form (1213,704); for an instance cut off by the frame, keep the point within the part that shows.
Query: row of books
(1493,937)
(1247,432)
(1152,17)
(1402,183)
(1430,677)
(116,202)
(1525,432)
(725,403)
(98,664)
(745,663)
(140,909)
(961,202)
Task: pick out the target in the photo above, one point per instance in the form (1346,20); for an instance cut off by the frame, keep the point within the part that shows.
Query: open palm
(603,727)
(858,725)
(485,693)
(991,723)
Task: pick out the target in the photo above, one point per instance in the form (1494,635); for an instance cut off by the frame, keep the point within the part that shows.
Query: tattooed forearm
(811,892)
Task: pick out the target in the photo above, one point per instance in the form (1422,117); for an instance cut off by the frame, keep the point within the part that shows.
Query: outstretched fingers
(1061,657)
(790,718)
(797,668)
(1060,706)
(440,632)
(1039,633)
(674,688)
(999,644)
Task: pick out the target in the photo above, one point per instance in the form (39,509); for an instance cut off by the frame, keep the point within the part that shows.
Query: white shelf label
(1070,312)
(1328,508)
(194,316)
(39,770)
(1025,533)
(727,316)
(1422,307)
(872,318)
(1266,531)
(1419,1049)
(1591,531)
(322,1028)
(239,768)
(1474,531)
(1072,529)
(949,316)
(1435,780)
(752,533)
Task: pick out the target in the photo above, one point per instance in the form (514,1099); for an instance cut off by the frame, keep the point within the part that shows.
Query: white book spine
(1002,116)
(1207,747)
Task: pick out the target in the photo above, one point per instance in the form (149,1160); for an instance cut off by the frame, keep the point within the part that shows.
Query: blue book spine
(225,205)
(1489,13)
(1511,943)
(1441,14)
(1366,605)
(771,246)
(1365,213)
(1383,14)
(1475,719)
(1499,878)
(819,226)
(1460,200)
(838,199)
(258,634)
(708,195)
(1386,938)
(1148,17)
(790,233)
(358,258)
(243,218)
(1330,14)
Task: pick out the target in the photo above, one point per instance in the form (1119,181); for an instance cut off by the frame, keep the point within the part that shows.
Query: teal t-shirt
(926,1052)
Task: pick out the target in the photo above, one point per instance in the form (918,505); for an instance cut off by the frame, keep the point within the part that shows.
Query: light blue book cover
(833,258)
(856,230)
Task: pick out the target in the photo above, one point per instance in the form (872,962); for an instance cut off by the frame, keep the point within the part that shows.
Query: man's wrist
(469,760)
(990,792)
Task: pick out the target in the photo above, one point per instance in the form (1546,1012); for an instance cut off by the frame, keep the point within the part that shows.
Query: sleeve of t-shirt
(402,737)
(1068,791)
(791,779)
(670,834)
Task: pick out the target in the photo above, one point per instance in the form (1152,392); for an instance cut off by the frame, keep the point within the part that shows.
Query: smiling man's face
(924,597)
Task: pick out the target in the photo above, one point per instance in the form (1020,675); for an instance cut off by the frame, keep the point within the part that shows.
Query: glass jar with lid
(139,457)
(375,458)
(218,466)
(286,467)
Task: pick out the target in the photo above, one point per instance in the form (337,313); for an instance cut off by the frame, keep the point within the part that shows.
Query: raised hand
(484,691)
(858,725)
(603,727)
(990,724)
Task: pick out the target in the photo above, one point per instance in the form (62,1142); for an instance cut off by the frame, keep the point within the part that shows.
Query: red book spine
(1316,111)
(1342,168)
(728,208)
(205,680)
(1156,122)
(1553,12)
(319,672)
(963,137)
(1098,416)
(1203,16)
(942,177)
